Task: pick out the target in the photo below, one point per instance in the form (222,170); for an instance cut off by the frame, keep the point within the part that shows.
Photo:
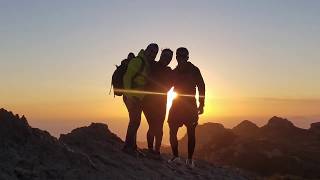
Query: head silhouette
(151,51)
(166,57)
(130,56)
(182,55)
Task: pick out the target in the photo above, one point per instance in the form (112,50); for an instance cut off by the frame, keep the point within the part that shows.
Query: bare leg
(191,140)
(150,137)
(135,110)
(174,140)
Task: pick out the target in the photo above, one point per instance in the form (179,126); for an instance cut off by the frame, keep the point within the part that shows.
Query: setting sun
(171,96)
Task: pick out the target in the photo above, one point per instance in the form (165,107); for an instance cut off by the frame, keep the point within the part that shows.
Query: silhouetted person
(155,104)
(134,79)
(184,110)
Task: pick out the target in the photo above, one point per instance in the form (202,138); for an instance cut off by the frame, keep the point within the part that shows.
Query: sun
(171,95)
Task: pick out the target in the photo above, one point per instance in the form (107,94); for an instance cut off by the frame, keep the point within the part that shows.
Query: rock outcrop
(278,122)
(30,153)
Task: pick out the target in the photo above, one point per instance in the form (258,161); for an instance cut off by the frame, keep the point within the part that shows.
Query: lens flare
(171,95)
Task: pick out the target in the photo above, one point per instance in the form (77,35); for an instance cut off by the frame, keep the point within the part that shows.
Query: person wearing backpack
(134,81)
(117,76)
(156,104)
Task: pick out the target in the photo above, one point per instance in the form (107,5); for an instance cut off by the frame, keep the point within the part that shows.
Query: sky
(258,58)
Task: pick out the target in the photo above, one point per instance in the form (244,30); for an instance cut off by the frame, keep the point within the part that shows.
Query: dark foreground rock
(91,152)
(30,153)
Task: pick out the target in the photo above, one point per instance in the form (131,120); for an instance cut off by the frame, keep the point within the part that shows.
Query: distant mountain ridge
(278,147)
(246,128)
(91,152)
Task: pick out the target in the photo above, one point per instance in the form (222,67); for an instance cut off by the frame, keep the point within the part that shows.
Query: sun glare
(171,96)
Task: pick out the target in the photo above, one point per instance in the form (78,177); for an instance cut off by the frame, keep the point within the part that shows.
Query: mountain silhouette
(207,133)
(91,152)
(246,128)
(278,147)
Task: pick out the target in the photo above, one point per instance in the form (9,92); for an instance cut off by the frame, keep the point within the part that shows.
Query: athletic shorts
(183,112)
(154,109)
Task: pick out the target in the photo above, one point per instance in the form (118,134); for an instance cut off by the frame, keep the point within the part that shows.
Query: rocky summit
(91,152)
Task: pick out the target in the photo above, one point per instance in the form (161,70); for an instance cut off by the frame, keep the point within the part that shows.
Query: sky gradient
(258,58)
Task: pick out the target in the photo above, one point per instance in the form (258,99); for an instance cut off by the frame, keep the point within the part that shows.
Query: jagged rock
(95,132)
(30,153)
(282,130)
(9,121)
(278,122)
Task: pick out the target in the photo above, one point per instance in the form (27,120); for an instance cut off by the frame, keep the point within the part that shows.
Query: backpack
(117,77)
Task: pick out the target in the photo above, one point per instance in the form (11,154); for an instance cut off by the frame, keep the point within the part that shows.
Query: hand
(200,110)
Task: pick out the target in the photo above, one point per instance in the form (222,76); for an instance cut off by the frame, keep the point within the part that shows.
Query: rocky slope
(279,147)
(91,152)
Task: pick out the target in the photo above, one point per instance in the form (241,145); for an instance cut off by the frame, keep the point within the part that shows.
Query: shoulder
(138,59)
(135,61)
(165,68)
(193,67)
(134,64)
